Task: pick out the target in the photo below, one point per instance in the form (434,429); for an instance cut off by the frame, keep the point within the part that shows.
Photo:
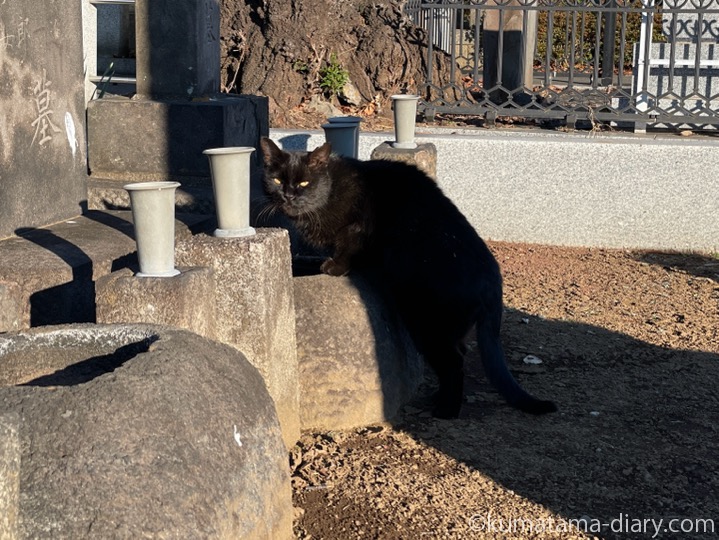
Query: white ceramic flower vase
(341,136)
(354,121)
(405,119)
(230,169)
(153,213)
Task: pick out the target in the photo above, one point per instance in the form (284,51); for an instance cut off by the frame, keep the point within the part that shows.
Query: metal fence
(627,63)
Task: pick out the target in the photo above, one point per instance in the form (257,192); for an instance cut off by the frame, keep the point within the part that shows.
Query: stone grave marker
(43,172)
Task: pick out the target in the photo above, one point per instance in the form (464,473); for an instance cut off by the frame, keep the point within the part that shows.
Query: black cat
(394,220)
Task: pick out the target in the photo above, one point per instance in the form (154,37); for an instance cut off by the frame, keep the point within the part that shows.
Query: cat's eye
(304,184)
(277,181)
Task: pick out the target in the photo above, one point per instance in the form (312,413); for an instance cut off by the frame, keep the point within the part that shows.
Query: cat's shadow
(630,415)
(599,455)
(635,434)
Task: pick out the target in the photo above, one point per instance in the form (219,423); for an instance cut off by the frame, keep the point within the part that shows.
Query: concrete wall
(43,175)
(601,190)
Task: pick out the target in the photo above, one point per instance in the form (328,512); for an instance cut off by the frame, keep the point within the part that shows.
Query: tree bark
(276,48)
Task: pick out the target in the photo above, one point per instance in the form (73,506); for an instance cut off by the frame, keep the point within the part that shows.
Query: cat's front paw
(333,268)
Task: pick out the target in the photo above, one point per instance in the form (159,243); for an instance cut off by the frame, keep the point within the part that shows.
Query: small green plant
(333,77)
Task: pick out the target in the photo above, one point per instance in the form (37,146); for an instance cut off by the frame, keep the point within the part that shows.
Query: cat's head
(296,182)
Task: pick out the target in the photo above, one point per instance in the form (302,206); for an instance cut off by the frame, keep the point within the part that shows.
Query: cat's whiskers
(313,219)
(260,200)
(269,210)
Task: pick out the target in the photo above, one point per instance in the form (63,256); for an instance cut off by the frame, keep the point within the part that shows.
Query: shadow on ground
(693,263)
(636,439)
(636,434)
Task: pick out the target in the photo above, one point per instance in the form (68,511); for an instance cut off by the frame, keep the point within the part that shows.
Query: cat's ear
(270,151)
(320,156)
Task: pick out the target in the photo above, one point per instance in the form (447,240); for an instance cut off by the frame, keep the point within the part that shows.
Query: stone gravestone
(518,44)
(689,27)
(43,172)
(178,111)
(679,88)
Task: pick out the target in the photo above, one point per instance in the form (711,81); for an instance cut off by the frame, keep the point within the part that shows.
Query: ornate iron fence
(632,63)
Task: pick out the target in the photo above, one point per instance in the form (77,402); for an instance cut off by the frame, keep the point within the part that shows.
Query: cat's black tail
(495,367)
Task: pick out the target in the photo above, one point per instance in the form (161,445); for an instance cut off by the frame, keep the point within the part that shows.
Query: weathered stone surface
(174,134)
(110,195)
(11,307)
(423,157)
(255,310)
(183,301)
(139,431)
(9,475)
(43,172)
(56,267)
(357,364)
(178,48)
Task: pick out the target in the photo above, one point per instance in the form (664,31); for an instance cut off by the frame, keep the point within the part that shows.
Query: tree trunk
(277,48)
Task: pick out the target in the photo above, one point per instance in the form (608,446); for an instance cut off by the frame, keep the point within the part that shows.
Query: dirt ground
(629,349)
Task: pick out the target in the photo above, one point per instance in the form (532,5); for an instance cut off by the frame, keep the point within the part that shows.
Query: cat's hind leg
(438,328)
(448,363)
(444,352)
